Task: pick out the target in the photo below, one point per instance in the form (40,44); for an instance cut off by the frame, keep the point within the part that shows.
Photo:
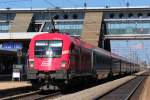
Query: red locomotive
(57,59)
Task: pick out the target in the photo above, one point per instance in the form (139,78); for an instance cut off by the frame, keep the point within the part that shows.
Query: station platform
(145,95)
(5,85)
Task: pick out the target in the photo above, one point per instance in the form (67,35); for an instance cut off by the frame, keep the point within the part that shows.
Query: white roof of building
(77,8)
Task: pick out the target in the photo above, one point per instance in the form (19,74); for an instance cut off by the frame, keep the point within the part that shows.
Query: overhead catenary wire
(51,4)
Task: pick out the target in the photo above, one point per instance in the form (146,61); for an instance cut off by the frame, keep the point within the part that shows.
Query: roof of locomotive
(50,35)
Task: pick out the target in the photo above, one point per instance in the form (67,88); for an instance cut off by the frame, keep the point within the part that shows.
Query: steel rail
(15,91)
(50,96)
(125,91)
(20,95)
(35,95)
(135,88)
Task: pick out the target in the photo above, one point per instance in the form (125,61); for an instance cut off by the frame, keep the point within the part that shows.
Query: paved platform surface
(99,90)
(146,90)
(13,84)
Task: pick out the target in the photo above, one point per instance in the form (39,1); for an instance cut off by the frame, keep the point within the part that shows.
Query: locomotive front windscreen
(48,48)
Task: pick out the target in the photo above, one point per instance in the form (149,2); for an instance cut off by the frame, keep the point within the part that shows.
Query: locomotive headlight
(31,63)
(63,64)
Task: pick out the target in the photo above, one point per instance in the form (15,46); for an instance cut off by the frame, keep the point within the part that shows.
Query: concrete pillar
(21,22)
(92,27)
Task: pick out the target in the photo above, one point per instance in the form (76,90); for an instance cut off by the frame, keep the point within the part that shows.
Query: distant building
(86,22)
(18,26)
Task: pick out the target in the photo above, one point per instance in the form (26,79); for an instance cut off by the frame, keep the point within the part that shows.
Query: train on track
(57,59)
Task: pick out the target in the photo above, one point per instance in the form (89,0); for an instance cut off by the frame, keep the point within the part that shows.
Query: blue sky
(133,49)
(69,3)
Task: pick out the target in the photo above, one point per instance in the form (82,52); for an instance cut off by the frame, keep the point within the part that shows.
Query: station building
(93,25)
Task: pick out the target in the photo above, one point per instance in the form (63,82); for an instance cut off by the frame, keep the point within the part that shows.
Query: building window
(56,17)
(71,27)
(47,27)
(130,15)
(111,15)
(148,15)
(4,27)
(34,27)
(129,27)
(65,16)
(121,15)
(75,16)
(140,15)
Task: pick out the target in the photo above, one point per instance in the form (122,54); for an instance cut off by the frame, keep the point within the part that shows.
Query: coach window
(72,52)
(104,61)
(94,58)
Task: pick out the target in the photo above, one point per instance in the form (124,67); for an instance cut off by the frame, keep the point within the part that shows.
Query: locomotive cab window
(49,48)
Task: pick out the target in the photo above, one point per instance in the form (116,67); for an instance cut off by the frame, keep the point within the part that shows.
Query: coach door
(75,59)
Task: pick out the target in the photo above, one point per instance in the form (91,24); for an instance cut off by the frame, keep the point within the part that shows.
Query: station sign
(12,45)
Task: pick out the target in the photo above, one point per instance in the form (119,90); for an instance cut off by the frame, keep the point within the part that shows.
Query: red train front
(51,60)
(48,58)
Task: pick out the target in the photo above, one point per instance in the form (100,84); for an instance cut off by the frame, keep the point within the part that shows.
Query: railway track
(15,91)
(125,91)
(35,95)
